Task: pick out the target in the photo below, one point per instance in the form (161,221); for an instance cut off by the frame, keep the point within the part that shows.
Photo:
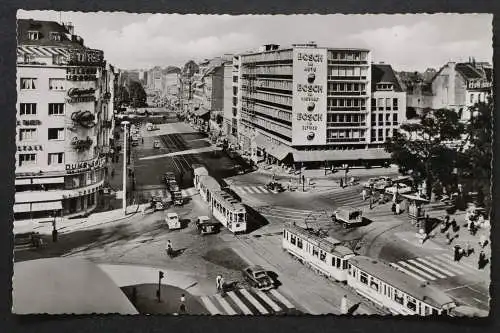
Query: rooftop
(45,28)
(384,73)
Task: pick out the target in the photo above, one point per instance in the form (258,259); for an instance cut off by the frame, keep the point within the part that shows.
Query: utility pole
(161,275)
(124,198)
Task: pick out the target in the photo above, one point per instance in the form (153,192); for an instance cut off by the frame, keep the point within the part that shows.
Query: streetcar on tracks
(325,255)
(394,290)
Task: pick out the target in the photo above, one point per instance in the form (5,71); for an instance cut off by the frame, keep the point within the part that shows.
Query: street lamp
(125,136)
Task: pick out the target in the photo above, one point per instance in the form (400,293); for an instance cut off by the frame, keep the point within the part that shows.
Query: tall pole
(124,198)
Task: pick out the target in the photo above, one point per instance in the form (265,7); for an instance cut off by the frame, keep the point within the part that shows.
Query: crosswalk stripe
(462,267)
(467,266)
(439,268)
(252,300)
(269,301)
(210,306)
(265,190)
(246,189)
(427,269)
(240,304)
(407,272)
(418,271)
(256,189)
(225,305)
(282,299)
(448,265)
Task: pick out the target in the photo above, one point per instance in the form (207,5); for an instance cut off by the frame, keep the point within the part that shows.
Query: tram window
(411,304)
(299,243)
(363,277)
(315,251)
(338,263)
(427,310)
(344,264)
(322,256)
(292,239)
(241,217)
(333,261)
(374,284)
(435,312)
(398,297)
(285,234)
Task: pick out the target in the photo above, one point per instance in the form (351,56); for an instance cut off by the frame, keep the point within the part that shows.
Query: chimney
(69,26)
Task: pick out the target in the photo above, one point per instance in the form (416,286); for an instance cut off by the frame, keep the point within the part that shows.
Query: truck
(177,198)
(348,216)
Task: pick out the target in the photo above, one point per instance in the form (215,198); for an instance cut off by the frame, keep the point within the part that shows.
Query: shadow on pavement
(254,219)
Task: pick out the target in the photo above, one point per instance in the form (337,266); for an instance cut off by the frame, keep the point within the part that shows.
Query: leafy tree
(426,148)
(137,94)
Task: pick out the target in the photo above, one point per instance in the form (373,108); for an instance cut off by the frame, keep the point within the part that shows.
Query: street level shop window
(56,109)
(28,83)
(27,159)
(27,109)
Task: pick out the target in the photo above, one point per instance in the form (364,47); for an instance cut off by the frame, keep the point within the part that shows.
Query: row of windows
(276,113)
(55,109)
(479,97)
(347,55)
(346,134)
(346,118)
(385,86)
(268,56)
(31,158)
(31,134)
(273,98)
(380,132)
(270,125)
(346,86)
(382,103)
(355,71)
(230,216)
(342,102)
(391,292)
(36,35)
(271,70)
(275,84)
(30,83)
(387,117)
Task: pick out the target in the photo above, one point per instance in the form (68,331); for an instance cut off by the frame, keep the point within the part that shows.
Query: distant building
(64,122)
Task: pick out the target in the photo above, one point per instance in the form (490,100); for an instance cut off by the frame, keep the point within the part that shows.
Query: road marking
(252,300)
(210,306)
(240,304)
(465,269)
(427,262)
(256,189)
(462,263)
(427,269)
(282,299)
(418,271)
(269,301)
(247,189)
(454,268)
(407,272)
(265,190)
(480,301)
(225,305)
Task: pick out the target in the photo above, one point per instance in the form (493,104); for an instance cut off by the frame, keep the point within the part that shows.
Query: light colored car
(401,189)
(173,221)
(156,144)
(370,182)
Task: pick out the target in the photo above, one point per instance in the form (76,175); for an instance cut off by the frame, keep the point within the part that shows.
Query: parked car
(400,188)
(382,183)
(370,182)
(275,186)
(258,277)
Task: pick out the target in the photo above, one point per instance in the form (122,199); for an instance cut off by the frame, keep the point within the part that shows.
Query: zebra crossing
(247,302)
(256,189)
(431,268)
(163,192)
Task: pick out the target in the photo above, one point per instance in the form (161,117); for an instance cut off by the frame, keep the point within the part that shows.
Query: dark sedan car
(258,277)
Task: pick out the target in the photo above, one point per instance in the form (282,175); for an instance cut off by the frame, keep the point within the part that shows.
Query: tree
(137,94)
(426,148)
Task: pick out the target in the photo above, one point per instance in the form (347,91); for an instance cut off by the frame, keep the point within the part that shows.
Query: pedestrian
(217,282)
(481,260)
(363,194)
(341,182)
(169,246)
(467,249)
(456,253)
(398,208)
(443,226)
(142,140)
(472,227)
(482,241)
(222,282)
(344,309)
(393,208)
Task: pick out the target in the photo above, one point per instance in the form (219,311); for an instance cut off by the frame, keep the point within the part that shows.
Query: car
(275,186)
(167,176)
(400,188)
(348,216)
(370,182)
(206,226)
(173,186)
(156,144)
(258,277)
(382,183)
(173,221)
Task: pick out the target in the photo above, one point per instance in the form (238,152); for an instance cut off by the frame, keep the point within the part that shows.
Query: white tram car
(322,254)
(392,289)
(223,206)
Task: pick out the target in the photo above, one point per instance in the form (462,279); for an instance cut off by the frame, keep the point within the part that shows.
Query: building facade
(64,122)
(308,104)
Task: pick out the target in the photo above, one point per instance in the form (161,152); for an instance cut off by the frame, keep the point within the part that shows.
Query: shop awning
(22,207)
(41,206)
(340,155)
(277,151)
(201,112)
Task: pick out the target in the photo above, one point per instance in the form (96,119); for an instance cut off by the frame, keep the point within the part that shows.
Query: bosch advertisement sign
(309,96)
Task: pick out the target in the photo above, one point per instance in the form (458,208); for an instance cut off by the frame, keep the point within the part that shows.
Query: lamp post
(125,135)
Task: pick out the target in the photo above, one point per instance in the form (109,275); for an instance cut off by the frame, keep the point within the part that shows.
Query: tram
(325,255)
(223,206)
(399,293)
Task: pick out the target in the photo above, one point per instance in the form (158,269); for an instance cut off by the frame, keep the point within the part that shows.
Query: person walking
(363,194)
(398,208)
(344,309)
(481,260)
(467,249)
(342,182)
(393,208)
(482,241)
(456,253)
(182,306)
(217,282)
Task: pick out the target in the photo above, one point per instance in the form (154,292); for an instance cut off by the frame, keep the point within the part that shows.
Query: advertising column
(309,97)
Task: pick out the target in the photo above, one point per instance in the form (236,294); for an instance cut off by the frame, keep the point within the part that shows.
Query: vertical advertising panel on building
(309,96)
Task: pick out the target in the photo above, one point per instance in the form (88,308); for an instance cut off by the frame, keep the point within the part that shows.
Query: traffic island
(145,300)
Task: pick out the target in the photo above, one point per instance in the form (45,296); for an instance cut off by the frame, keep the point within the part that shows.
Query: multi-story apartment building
(186,85)
(64,122)
(388,104)
(230,91)
(307,104)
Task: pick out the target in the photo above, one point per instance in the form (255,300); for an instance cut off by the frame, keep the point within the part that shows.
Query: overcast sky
(407,42)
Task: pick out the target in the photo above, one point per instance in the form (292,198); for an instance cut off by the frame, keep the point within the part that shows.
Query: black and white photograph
(253,165)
